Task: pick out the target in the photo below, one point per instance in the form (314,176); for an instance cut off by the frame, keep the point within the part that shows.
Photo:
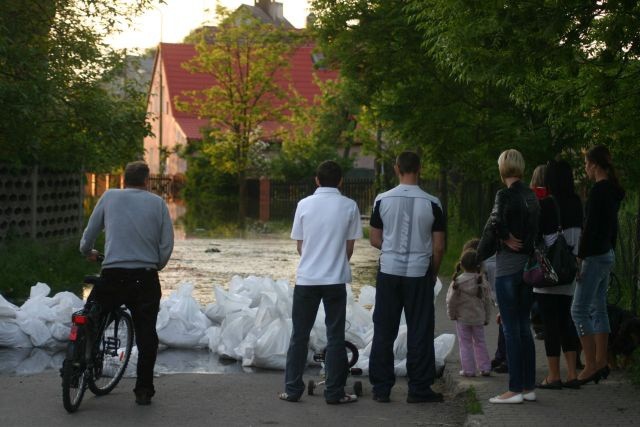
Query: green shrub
(59,264)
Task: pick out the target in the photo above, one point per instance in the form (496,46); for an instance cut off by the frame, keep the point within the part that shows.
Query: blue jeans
(415,295)
(589,308)
(306,300)
(514,302)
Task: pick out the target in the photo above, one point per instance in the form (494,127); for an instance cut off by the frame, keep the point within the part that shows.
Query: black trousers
(559,329)
(415,295)
(139,290)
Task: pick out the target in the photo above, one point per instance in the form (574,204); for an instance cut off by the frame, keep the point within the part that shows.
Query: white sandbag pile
(41,321)
(250,322)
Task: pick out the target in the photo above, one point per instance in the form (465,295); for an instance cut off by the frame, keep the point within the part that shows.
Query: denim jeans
(514,302)
(415,295)
(306,300)
(589,308)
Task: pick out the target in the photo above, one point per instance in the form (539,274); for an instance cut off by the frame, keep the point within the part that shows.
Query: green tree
(325,130)
(56,108)
(574,63)
(248,61)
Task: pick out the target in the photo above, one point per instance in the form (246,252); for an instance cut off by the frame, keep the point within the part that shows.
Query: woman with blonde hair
(510,231)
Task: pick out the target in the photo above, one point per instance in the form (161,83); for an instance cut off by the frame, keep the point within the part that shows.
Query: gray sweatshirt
(138,229)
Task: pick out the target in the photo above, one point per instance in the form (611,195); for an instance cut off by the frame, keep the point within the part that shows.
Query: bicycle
(98,352)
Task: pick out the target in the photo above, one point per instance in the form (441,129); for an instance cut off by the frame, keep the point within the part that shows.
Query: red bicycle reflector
(80,319)
(73,335)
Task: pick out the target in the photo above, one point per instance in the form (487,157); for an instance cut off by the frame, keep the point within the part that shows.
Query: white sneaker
(516,398)
(529,397)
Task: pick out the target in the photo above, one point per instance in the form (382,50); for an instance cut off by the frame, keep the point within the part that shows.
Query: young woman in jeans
(589,309)
(510,232)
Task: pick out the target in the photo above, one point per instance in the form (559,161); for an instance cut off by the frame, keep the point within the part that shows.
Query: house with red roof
(172,127)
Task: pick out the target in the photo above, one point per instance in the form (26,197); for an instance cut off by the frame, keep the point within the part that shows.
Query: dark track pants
(415,295)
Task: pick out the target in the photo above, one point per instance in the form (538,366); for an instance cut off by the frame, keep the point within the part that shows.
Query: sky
(177,18)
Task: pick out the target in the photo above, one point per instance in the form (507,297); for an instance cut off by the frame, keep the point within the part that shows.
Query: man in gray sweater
(138,243)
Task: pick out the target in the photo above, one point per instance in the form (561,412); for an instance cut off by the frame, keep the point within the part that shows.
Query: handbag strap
(558,216)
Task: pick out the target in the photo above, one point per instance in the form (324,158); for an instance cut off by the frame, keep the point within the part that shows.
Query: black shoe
(143,397)
(431,396)
(553,385)
(604,372)
(497,362)
(501,369)
(381,399)
(574,384)
(595,377)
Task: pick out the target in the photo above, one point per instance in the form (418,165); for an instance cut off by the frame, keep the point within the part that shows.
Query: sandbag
(7,309)
(180,322)
(12,336)
(270,351)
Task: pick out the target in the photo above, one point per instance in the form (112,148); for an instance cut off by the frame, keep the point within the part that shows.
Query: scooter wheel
(357,388)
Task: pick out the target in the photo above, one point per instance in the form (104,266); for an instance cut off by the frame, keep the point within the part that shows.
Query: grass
(57,263)
(472,404)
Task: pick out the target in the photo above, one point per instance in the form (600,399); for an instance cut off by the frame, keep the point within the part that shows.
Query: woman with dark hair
(510,233)
(554,303)
(596,258)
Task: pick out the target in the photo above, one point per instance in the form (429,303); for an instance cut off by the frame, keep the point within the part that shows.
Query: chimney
(272,8)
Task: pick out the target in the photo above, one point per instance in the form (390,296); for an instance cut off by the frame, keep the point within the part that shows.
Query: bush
(59,264)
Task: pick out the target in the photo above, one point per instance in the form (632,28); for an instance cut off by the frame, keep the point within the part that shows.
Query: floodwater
(207,262)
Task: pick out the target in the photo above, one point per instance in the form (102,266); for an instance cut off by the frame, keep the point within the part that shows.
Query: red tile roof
(179,80)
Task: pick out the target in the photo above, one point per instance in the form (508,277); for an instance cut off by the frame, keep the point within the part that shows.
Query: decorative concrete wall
(40,204)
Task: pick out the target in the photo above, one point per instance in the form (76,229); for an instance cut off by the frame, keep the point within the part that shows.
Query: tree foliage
(57,103)
(325,130)
(248,61)
(575,63)
(461,80)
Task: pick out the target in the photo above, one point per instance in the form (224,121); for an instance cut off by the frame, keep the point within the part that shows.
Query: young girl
(469,304)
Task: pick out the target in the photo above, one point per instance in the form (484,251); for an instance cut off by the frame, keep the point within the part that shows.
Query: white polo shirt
(324,222)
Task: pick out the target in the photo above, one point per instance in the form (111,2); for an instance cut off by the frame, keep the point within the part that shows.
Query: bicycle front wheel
(74,379)
(113,351)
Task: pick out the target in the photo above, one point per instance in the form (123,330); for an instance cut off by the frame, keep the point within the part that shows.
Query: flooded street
(206,262)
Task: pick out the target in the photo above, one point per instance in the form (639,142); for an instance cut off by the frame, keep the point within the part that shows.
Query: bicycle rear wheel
(74,379)
(113,351)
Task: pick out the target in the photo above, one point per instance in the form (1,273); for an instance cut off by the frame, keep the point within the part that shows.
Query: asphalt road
(206,399)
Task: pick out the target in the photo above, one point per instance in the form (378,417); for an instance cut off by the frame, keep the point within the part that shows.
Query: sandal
(553,385)
(347,398)
(289,398)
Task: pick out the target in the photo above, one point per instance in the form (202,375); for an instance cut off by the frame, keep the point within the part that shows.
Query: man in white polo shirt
(325,226)
(408,225)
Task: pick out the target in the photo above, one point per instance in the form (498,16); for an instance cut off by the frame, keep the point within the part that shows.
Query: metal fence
(284,196)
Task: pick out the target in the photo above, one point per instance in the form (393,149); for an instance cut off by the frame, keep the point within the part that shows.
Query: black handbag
(560,254)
